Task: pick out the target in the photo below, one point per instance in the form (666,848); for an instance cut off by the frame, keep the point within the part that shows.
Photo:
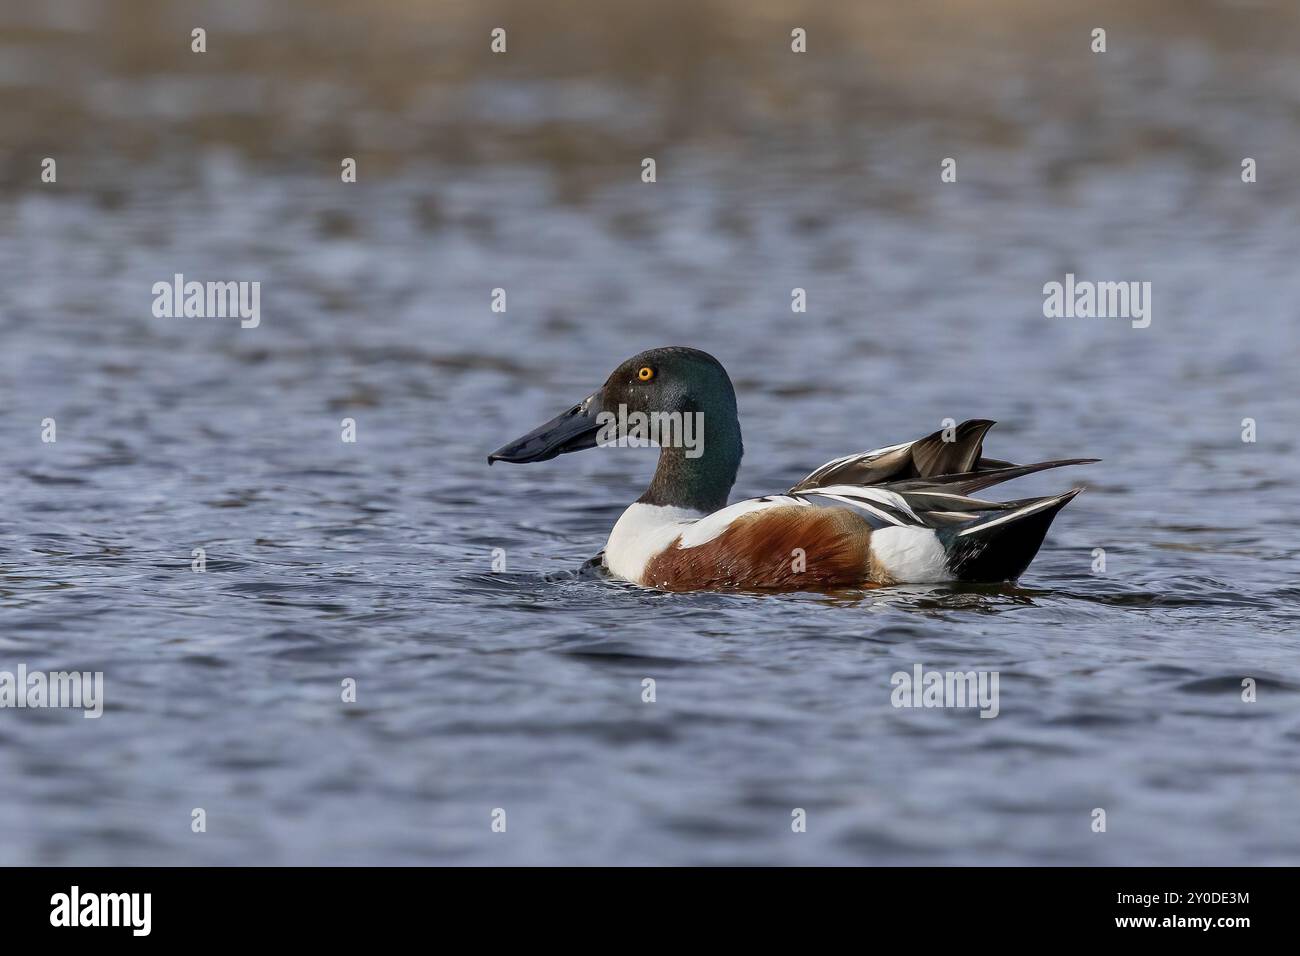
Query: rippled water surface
(522,688)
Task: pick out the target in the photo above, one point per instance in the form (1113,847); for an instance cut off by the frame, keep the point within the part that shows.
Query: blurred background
(521,171)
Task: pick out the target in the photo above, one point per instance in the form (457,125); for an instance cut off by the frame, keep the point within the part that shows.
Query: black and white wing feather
(923,483)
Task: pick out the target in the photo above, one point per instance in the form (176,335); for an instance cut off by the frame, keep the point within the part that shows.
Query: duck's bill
(569,431)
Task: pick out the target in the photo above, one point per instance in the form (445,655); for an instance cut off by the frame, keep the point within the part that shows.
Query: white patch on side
(911,555)
(642,532)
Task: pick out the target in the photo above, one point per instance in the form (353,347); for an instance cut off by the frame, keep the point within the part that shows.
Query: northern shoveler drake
(895,515)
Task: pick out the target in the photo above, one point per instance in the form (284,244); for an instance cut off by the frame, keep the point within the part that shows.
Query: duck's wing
(924,483)
(878,507)
(924,458)
(958,463)
(882,507)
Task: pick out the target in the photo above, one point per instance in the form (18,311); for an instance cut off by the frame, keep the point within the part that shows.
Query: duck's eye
(645,373)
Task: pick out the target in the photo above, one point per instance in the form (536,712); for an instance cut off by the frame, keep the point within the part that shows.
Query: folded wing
(927,482)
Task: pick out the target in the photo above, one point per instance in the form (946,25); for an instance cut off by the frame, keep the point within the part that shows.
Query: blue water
(521,688)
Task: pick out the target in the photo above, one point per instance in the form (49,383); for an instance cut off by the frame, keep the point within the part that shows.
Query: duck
(898,515)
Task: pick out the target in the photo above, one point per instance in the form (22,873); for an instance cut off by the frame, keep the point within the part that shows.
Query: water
(522,689)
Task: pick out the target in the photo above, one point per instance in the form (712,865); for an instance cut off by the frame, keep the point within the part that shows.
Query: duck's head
(663,381)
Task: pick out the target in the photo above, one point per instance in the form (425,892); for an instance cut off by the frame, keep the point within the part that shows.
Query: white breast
(642,532)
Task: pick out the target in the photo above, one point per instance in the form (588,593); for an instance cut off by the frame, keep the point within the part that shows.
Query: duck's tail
(1000,546)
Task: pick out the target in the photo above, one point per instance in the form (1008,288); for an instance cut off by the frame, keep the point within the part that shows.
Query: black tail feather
(1000,547)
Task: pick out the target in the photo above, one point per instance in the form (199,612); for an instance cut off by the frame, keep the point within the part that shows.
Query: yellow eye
(646,373)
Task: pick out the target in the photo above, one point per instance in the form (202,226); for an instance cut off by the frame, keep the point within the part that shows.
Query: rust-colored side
(785,548)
